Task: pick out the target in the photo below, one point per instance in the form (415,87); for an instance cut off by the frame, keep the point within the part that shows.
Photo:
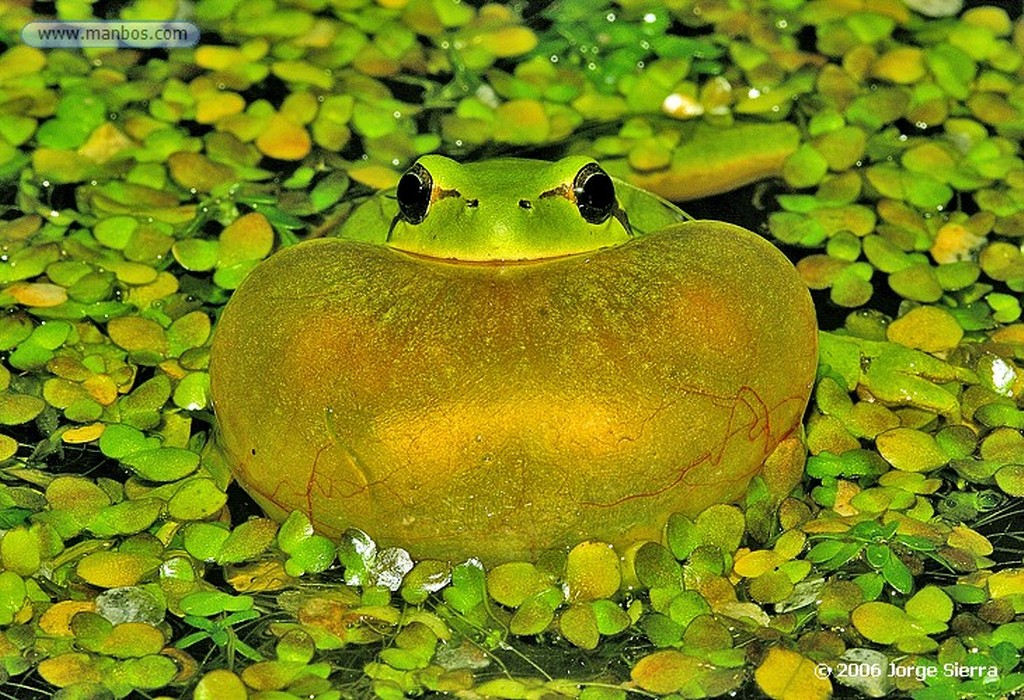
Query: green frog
(498,358)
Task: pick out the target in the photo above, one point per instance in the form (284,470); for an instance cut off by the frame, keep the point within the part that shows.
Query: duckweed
(788,674)
(592,572)
(146,186)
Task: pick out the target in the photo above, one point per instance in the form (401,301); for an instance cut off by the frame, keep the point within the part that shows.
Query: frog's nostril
(525,204)
(472,203)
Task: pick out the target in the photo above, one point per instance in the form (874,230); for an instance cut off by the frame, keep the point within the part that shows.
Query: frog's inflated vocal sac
(503,357)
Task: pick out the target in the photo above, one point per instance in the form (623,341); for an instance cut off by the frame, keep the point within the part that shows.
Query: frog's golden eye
(595,193)
(414,194)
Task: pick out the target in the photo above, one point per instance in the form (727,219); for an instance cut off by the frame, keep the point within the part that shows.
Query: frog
(498,358)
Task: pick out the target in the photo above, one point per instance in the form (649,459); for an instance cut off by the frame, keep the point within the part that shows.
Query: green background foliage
(879,144)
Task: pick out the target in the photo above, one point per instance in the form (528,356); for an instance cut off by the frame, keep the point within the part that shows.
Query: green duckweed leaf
(220,684)
(70,668)
(468,587)
(231,276)
(513,582)
(722,526)
(771,587)
(311,555)
(17,409)
(116,569)
(294,530)
(162,463)
(898,575)
(655,566)
(76,494)
(356,552)
(592,572)
(17,129)
(665,671)
(682,535)
(328,191)
(966,594)
(196,499)
(190,331)
(882,623)
(132,640)
(1006,583)
(578,624)
(12,517)
(686,607)
(610,617)
(956,441)
(911,450)
(246,239)
(149,672)
(90,629)
(788,674)
(662,630)
(930,603)
(209,603)
(805,168)
(137,334)
(119,440)
(953,69)
(126,518)
(247,540)
(115,231)
(205,540)
(297,646)
(428,576)
(852,286)
(536,613)
(196,254)
(707,634)
(14,329)
(142,407)
(1011,479)
(926,328)
(12,596)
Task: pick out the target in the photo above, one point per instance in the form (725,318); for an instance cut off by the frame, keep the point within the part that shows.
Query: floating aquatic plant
(140,188)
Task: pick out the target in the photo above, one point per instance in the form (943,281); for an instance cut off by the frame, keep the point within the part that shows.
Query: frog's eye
(595,193)
(414,192)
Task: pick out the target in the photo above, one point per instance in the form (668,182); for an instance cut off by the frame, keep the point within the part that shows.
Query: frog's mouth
(502,262)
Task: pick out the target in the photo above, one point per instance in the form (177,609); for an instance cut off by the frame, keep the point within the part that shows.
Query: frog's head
(508,209)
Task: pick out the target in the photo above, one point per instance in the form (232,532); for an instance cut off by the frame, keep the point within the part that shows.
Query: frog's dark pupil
(595,193)
(413,193)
